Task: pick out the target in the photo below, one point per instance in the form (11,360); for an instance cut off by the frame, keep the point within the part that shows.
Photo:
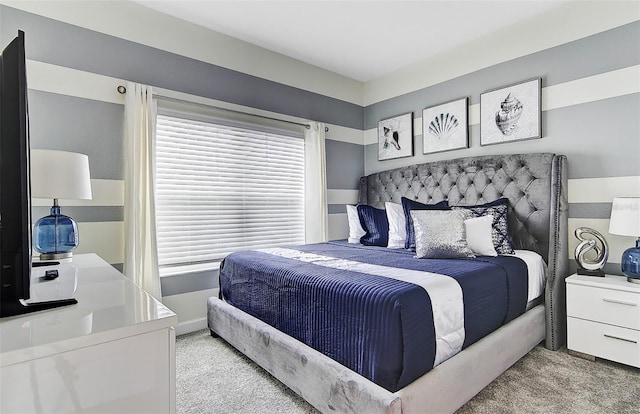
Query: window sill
(187,269)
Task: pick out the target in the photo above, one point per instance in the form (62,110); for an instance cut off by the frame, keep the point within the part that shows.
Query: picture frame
(445,127)
(511,113)
(395,137)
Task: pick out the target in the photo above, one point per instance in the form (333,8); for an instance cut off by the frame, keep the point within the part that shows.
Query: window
(223,187)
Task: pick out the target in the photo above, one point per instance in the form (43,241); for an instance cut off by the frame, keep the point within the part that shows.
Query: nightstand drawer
(608,306)
(604,341)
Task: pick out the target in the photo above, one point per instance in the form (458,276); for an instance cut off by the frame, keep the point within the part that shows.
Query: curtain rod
(122,90)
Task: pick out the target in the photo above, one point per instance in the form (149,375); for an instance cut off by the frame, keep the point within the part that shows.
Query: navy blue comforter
(379,327)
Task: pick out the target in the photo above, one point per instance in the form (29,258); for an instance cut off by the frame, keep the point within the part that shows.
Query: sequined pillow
(375,224)
(408,206)
(500,229)
(440,234)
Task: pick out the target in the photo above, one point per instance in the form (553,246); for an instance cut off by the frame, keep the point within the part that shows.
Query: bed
(533,187)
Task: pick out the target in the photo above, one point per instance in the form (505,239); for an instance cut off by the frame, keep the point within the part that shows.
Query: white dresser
(603,317)
(112,352)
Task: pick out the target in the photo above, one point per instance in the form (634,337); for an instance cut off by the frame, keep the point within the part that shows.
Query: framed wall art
(512,113)
(445,127)
(395,137)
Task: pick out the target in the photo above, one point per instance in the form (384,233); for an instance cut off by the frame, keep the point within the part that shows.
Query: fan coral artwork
(395,137)
(445,126)
(512,113)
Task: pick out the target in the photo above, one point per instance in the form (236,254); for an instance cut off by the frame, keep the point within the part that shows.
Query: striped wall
(74,106)
(590,107)
(78,52)
(73,72)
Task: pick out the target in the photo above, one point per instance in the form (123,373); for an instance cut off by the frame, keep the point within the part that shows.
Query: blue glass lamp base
(55,235)
(631,263)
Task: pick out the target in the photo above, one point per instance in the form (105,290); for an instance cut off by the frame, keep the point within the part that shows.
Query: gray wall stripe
(337,208)
(345,165)
(600,139)
(84,214)
(62,44)
(590,210)
(68,123)
(191,282)
(603,52)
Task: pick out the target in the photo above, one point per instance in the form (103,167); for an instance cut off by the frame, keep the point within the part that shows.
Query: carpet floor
(213,377)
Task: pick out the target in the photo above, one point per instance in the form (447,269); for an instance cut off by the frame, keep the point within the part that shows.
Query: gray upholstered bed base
(536,186)
(333,388)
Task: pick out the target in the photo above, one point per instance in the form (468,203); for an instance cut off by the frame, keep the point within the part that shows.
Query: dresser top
(613,282)
(110,307)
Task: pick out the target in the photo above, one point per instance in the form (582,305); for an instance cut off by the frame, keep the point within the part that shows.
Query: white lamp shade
(60,174)
(625,216)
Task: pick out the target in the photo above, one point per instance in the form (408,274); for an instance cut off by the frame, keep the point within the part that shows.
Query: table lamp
(58,175)
(625,221)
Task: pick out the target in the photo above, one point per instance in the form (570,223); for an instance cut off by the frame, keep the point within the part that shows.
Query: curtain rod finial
(122,89)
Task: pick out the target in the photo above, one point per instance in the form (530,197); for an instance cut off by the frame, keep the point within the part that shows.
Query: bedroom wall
(590,105)
(79,52)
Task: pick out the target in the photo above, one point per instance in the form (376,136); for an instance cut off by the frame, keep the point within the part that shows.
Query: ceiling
(361,39)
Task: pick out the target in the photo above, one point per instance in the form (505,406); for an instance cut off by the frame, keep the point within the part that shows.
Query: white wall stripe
(342,196)
(371,136)
(617,244)
(104,192)
(106,239)
(71,82)
(345,134)
(602,190)
(593,88)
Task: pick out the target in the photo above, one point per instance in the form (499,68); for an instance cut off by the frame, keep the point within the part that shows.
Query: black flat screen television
(15,197)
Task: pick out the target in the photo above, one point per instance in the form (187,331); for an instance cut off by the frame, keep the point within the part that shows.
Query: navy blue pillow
(375,224)
(407,206)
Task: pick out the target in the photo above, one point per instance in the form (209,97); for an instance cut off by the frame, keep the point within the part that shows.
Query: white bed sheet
(536,268)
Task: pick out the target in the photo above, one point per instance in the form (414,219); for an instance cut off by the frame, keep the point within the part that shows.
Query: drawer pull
(622,339)
(621,302)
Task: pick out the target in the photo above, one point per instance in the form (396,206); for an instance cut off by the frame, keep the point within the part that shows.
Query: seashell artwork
(443,125)
(391,137)
(508,115)
(395,137)
(512,113)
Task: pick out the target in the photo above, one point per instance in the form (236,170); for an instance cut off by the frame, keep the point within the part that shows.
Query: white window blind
(224,188)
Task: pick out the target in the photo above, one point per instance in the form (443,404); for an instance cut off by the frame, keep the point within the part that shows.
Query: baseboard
(191,326)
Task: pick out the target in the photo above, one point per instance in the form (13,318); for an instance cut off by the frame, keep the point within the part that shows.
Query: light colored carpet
(213,377)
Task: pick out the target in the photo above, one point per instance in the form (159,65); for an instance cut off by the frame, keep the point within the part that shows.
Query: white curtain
(316,212)
(141,252)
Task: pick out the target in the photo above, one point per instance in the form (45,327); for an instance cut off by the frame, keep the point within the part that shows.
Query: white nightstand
(603,317)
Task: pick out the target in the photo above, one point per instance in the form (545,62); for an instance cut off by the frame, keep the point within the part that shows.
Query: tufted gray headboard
(536,186)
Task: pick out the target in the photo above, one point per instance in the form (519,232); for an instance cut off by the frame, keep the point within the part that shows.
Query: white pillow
(479,237)
(397,225)
(355,228)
